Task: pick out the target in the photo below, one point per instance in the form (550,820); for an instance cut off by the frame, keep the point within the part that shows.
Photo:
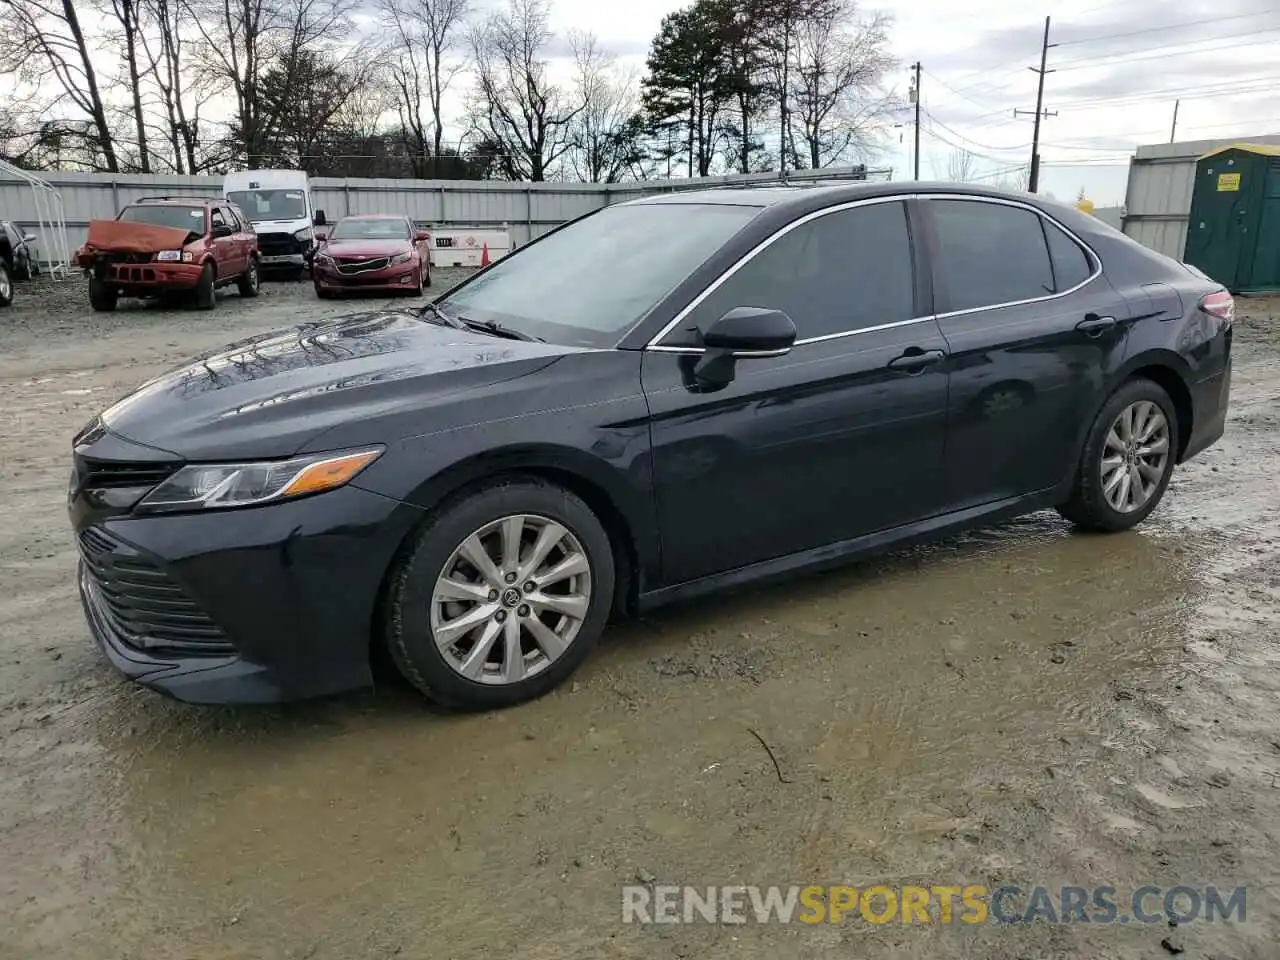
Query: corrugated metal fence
(527,210)
(1158,198)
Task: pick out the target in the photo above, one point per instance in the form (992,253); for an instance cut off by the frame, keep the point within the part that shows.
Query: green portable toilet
(1233,232)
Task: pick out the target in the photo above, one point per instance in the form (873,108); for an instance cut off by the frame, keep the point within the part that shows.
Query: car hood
(268,395)
(364,248)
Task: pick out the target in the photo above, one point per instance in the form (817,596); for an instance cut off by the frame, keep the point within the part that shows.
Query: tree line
(203,86)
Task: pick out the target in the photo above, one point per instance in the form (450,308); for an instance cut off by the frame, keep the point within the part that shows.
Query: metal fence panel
(526,210)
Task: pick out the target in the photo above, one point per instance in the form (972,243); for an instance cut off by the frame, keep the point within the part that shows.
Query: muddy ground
(1018,705)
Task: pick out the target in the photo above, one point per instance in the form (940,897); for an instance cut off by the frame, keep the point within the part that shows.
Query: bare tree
(241,39)
(1017,179)
(605,144)
(515,105)
(181,95)
(427,56)
(45,43)
(961,166)
(837,104)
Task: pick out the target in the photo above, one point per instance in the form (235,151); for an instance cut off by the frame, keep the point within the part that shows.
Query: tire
(416,290)
(415,613)
(249,282)
(206,298)
(6,286)
(1089,506)
(22,269)
(102,296)
(427,280)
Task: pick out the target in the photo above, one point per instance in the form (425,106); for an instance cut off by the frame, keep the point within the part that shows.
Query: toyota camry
(665,397)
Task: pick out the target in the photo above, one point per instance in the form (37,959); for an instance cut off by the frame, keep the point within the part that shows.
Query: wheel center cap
(511,597)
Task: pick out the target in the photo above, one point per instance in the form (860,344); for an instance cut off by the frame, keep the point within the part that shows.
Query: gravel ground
(1018,705)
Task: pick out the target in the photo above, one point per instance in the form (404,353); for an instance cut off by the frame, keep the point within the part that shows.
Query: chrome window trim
(1094,261)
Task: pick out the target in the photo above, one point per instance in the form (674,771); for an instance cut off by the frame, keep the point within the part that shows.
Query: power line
(1159,52)
(1168,26)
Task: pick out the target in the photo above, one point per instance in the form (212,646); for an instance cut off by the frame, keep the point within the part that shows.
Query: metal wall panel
(526,210)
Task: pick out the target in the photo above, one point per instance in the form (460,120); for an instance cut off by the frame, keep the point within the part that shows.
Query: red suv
(161,245)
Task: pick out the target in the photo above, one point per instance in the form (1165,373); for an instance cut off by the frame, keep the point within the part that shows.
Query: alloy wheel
(6,285)
(253,274)
(1135,456)
(510,599)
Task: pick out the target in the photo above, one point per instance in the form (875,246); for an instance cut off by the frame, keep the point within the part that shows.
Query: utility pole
(1033,181)
(1174,129)
(914,93)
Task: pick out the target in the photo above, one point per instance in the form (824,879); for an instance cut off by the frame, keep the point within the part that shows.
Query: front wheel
(501,596)
(6,286)
(206,297)
(102,295)
(1127,461)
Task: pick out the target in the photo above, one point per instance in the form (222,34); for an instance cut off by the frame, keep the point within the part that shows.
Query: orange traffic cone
(484,255)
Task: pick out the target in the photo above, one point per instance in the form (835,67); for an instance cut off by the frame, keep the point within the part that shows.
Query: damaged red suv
(166,245)
(381,252)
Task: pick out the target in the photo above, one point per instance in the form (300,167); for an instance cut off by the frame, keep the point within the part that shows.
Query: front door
(1033,330)
(840,438)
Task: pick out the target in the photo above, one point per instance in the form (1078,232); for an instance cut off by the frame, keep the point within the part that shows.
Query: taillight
(1221,305)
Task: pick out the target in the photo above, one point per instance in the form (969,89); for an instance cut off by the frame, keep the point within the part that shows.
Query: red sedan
(373,252)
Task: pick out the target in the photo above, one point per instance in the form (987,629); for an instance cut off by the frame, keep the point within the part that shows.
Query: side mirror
(319,220)
(221,230)
(751,330)
(422,235)
(741,333)
(28,238)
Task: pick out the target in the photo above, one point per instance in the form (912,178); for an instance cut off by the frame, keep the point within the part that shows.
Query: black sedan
(663,398)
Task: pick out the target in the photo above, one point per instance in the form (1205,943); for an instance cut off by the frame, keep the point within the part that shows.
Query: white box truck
(284,216)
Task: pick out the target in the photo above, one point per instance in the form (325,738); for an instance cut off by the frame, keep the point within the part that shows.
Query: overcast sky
(1110,92)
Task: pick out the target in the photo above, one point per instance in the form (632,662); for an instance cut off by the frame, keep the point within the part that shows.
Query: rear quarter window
(1071,265)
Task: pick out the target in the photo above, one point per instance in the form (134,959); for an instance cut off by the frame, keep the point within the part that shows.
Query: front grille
(114,475)
(141,604)
(278,244)
(362,265)
(133,274)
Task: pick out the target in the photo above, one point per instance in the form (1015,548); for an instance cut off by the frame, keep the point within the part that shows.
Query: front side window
(165,215)
(216,218)
(380,229)
(589,282)
(989,254)
(262,205)
(839,273)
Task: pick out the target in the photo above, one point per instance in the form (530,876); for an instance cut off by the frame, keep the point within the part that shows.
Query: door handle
(915,360)
(1095,326)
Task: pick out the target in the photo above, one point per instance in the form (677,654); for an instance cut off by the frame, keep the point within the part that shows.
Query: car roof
(374,216)
(178,201)
(821,195)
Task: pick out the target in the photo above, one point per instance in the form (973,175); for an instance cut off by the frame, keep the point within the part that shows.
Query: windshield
(388,229)
(260,205)
(166,215)
(589,282)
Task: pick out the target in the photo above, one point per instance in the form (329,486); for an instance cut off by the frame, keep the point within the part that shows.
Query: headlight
(323,258)
(200,486)
(169,255)
(306,234)
(400,258)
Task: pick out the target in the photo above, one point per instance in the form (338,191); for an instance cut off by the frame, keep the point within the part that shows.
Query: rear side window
(1071,266)
(838,273)
(989,254)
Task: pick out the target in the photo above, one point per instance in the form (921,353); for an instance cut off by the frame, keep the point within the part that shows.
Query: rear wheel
(502,595)
(249,280)
(206,298)
(102,295)
(1127,461)
(6,285)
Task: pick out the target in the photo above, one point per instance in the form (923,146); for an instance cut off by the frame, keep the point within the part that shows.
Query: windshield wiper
(494,328)
(433,314)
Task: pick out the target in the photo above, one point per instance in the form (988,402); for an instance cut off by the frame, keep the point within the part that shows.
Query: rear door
(1034,331)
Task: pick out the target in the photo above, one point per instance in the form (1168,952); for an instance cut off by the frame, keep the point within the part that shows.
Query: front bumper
(284,260)
(401,276)
(154,275)
(281,600)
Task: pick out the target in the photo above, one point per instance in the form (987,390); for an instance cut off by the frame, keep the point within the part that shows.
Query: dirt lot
(1020,705)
